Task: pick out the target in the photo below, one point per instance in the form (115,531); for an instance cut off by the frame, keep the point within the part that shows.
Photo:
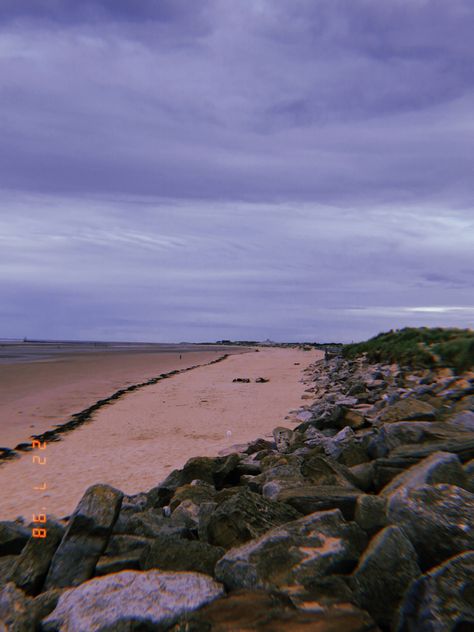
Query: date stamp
(39,519)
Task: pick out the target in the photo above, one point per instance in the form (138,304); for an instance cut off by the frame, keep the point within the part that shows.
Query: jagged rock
(310,498)
(31,567)
(437,519)
(384,572)
(122,601)
(354,418)
(86,537)
(347,448)
(244,611)
(258,445)
(244,516)
(439,467)
(321,470)
(217,471)
(13,537)
(370,513)
(149,524)
(407,409)
(16,611)
(287,557)
(285,439)
(442,599)
(174,554)
(120,544)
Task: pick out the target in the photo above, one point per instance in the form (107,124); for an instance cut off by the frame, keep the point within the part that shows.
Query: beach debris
(244,380)
(262,380)
(228,434)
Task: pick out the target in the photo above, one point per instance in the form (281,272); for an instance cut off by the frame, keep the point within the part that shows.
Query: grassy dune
(419,347)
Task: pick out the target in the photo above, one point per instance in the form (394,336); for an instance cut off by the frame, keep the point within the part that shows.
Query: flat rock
(131,600)
(245,516)
(370,513)
(310,498)
(174,554)
(86,537)
(285,558)
(437,519)
(463,420)
(443,599)
(385,570)
(407,409)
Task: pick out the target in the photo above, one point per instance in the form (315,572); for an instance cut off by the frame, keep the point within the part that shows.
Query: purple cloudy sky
(195,170)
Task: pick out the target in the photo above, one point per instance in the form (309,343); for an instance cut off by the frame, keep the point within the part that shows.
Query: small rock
(310,498)
(13,537)
(407,409)
(175,554)
(370,513)
(16,610)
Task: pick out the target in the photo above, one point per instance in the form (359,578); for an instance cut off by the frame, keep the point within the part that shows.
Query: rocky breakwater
(357,518)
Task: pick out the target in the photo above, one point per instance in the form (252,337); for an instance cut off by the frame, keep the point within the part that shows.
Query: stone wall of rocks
(357,518)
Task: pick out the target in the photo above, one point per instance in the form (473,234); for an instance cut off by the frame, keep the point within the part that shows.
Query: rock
(13,537)
(439,467)
(464,420)
(31,567)
(217,471)
(407,409)
(86,537)
(7,563)
(122,601)
(321,470)
(363,476)
(437,519)
(120,544)
(354,419)
(310,498)
(244,611)
(46,602)
(174,554)
(245,516)
(196,491)
(108,564)
(299,552)
(285,439)
(262,380)
(385,570)
(258,445)
(244,380)
(347,448)
(442,599)
(16,609)
(370,513)
(149,524)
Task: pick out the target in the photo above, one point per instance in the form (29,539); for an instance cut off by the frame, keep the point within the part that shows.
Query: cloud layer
(296,169)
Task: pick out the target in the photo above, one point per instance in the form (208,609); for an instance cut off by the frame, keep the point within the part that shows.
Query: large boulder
(437,519)
(86,537)
(244,516)
(384,572)
(439,467)
(31,566)
(131,600)
(288,557)
(175,554)
(246,610)
(443,599)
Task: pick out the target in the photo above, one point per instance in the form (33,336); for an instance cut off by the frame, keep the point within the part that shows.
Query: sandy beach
(43,385)
(135,442)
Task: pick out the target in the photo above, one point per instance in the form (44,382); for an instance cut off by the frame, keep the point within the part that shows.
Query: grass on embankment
(419,347)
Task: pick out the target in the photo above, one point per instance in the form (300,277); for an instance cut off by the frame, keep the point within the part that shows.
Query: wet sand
(135,442)
(43,385)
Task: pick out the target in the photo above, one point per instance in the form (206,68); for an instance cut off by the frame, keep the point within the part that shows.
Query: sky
(176,170)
